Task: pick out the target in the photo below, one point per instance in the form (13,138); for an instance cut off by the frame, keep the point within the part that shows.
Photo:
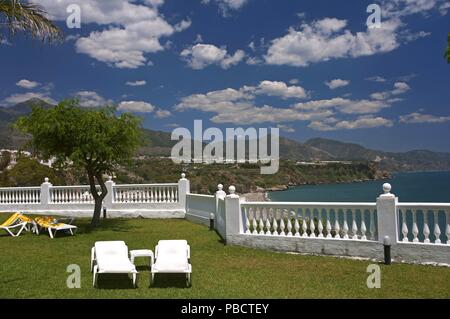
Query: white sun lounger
(111,257)
(172,256)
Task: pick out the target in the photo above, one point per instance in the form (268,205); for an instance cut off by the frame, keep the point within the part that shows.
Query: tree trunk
(98,198)
(97,212)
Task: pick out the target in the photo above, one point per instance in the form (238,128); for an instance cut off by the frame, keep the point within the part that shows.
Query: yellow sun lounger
(16,221)
(52,226)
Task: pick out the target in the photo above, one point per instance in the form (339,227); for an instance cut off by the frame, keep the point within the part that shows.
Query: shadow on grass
(169,281)
(115,281)
(115,225)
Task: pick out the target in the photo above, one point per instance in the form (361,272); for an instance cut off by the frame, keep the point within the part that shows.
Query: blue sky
(312,68)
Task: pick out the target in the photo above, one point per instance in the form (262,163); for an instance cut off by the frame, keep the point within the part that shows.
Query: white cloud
(328,39)
(417,117)
(345,106)
(5,42)
(400,8)
(225,6)
(444,8)
(160,113)
(183,25)
(91,99)
(377,78)
(238,106)
(136,83)
(27,84)
(294,81)
(198,39)
(229,61)
(135,106)
(286,128)
(22,97)
(399,88)
(133,29)
(281,89)
(254,61)
(337,83)
(200,56)
(360,123)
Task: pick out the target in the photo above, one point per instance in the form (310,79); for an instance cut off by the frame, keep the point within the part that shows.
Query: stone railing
(424,223)
(418,233)
(22,195)
(144,200)
(309,220)
(146,193)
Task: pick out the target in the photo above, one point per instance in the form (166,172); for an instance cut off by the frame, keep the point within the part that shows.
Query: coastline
(262,194)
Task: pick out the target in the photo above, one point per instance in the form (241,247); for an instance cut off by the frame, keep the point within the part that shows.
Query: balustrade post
(109,198)
(183,190)
(233,218)
(387,215)
(45,194)
(220,194)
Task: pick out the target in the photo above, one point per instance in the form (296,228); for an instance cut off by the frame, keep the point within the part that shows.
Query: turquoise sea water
(409,187)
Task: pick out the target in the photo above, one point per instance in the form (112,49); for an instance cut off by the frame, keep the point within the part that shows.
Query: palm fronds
(447,53)
(29,18)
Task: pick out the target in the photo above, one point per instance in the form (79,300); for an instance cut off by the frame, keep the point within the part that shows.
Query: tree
(29,172)
(28,18)
(93,139)
(447,53)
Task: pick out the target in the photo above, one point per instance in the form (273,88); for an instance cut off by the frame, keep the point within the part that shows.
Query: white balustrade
(146,193)
(22,195)
(310,220)
(416,219)
(71,194)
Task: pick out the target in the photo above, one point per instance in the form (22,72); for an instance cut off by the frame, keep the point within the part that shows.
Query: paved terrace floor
(35,267)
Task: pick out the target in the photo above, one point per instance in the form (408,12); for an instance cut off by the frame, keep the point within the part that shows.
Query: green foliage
(246,177)
(5,160)
(93,139)
(29,18)
(29,172)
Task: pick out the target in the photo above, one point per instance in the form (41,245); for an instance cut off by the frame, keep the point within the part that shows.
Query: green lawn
(35,267)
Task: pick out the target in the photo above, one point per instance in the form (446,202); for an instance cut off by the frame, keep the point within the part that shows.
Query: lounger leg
(188,280)
(134,280)
(50,232)
(10,232)
(152,279)
(95,277)
(71,232)
(21,229)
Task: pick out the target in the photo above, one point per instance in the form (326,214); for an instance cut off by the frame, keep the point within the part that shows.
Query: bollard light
(387,250)
(211,221)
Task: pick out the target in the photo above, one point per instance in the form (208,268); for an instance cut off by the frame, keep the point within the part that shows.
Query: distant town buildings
(15,155)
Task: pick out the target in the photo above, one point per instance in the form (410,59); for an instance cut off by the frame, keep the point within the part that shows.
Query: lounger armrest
(17,225)
(92,257)
(152,260)
(156,252)
(65,220)
(188,252)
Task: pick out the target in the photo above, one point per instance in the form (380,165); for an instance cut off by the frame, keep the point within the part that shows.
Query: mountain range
(157,143)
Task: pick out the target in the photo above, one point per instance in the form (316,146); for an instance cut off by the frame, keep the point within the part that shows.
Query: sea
(408,187)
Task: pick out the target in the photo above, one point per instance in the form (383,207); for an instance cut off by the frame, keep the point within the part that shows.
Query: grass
(35,267)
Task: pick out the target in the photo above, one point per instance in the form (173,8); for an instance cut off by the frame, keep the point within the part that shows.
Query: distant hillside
(420,160)
(156,143)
